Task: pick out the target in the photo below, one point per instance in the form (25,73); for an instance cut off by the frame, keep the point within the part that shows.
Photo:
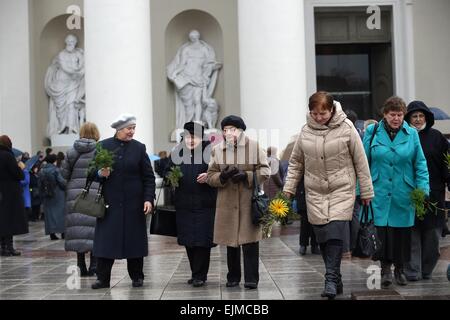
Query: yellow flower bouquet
(279,208)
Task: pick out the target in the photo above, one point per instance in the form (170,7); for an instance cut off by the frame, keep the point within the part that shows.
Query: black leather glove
(241,175)
(227,173)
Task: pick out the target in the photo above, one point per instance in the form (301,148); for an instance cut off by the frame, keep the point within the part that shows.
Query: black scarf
(392,133)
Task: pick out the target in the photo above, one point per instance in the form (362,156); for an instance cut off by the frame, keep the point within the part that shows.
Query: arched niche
(176,35)
(50,43)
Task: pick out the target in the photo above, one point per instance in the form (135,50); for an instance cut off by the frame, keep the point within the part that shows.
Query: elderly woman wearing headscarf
(129,191)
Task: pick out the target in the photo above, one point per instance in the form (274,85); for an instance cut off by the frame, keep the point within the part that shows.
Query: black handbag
(89,202)
(260,202)
(164,220)
(367,241)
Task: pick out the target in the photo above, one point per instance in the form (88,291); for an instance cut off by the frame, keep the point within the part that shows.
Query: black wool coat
(195,203)
(12,209)
(434,146)
(122,233)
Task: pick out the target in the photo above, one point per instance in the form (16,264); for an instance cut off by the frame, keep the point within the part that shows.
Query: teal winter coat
(397,168)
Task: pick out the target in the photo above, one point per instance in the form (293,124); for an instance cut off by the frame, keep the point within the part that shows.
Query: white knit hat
(123,121)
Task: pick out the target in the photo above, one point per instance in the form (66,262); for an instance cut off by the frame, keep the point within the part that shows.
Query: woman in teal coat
(398,166)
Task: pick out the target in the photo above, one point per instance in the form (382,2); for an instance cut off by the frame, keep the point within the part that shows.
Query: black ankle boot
(99,285)
(386,274)
(10,248)
(399,276)
(81,263)
(53,236)
(3,250)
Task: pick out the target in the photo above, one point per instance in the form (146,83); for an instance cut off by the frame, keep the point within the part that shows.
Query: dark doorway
(357,75)
(353,61)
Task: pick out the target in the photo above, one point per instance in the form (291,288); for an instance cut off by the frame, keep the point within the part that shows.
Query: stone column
(272,66)
(118,65)
(15,78)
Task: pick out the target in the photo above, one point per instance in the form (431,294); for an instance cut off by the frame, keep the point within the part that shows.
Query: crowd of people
(331,170)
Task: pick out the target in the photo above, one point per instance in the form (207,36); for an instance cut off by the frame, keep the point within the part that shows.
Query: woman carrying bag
(80,228)
(398,166)
(330,155)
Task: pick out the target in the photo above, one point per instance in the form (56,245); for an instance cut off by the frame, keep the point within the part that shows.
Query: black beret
(234,121)
(194,128)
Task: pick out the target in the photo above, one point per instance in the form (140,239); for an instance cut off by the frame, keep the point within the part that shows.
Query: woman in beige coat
(233,164)
(330,155)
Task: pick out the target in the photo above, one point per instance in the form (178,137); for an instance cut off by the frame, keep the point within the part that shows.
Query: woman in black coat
(195,201)
(426,233)
(13,220)
(129,191)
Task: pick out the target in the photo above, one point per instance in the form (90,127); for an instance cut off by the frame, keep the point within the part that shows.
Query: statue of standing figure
(64,84)
(194,72)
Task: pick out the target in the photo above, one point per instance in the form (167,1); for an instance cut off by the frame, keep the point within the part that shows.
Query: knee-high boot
(332,255)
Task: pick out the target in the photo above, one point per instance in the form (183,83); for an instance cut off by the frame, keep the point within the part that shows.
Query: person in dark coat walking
(161,164)
(12,211)
(426,233)
(80,228)
(195,201)
(306,228)
(129,191)
(53,190)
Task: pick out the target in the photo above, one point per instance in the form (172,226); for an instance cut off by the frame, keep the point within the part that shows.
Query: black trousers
(199,258)
(306,231)
(135,268)
(6,242)
(251,263)
(35,212)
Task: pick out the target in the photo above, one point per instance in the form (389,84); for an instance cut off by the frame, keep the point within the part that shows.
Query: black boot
(332,258)
(4,253)
(399,276)
(10,248)
(53,236)
(92,266)
(81,263)
(386,274)
(445,230)
(302,250)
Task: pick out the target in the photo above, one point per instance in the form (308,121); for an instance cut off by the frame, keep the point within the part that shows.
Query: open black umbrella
(439,114)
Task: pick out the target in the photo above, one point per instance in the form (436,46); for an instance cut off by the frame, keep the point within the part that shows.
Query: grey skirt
(335,230)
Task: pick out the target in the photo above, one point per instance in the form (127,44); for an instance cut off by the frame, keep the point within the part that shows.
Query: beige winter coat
(331,158)
(233,225)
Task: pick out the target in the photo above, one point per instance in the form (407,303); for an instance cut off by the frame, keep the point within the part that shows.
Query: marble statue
(64,84)
(194,72)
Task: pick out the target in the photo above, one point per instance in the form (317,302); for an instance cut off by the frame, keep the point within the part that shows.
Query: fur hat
(234,121)
(123,121)
(194,128)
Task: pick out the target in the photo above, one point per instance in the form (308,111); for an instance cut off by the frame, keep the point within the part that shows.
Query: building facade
(274,54)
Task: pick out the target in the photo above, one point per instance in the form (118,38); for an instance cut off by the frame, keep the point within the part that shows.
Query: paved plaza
(41,273)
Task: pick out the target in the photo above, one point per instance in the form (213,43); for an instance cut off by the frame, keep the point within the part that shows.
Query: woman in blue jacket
(398,166)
